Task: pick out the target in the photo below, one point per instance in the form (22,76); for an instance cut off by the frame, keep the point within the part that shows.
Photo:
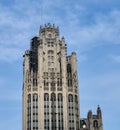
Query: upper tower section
(51,50)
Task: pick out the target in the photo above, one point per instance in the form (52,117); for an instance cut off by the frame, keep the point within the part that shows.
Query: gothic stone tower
(50,86)
(92,122)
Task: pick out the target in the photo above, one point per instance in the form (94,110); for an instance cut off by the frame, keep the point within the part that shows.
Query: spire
(99,114)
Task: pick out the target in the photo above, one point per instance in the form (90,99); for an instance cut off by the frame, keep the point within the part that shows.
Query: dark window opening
(95,123)
(68,68)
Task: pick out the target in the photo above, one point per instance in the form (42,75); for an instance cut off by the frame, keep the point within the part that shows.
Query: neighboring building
(92,122)
(50,86)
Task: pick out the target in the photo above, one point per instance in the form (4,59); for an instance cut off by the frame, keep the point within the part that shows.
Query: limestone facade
(50,89)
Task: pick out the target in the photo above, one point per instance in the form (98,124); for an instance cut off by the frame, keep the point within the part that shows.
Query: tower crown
(49,30)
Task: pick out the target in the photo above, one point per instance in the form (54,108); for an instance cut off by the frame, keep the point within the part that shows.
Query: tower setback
(50,86)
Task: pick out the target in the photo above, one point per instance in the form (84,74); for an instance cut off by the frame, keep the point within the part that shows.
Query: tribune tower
(50,86)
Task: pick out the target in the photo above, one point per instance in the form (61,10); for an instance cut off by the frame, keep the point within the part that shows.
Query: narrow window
(29,112)
(95,123)
(35,111)
(53,111)
(60,112)
(71,111)
(46,111)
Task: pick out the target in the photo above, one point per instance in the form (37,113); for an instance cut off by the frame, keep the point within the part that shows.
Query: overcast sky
(90,27)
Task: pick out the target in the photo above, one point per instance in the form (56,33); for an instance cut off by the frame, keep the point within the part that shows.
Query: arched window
(60,112)
(46,111)
(60,97)
(29,98)
(35,97)
(69,82)
(70,98)
(46,97)
(95,124)
(50,60)
(71,111)
(69,73)
(50,55)
(53,97)
(53,111)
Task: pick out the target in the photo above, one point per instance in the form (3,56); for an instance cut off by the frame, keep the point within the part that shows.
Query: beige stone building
(50,86)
